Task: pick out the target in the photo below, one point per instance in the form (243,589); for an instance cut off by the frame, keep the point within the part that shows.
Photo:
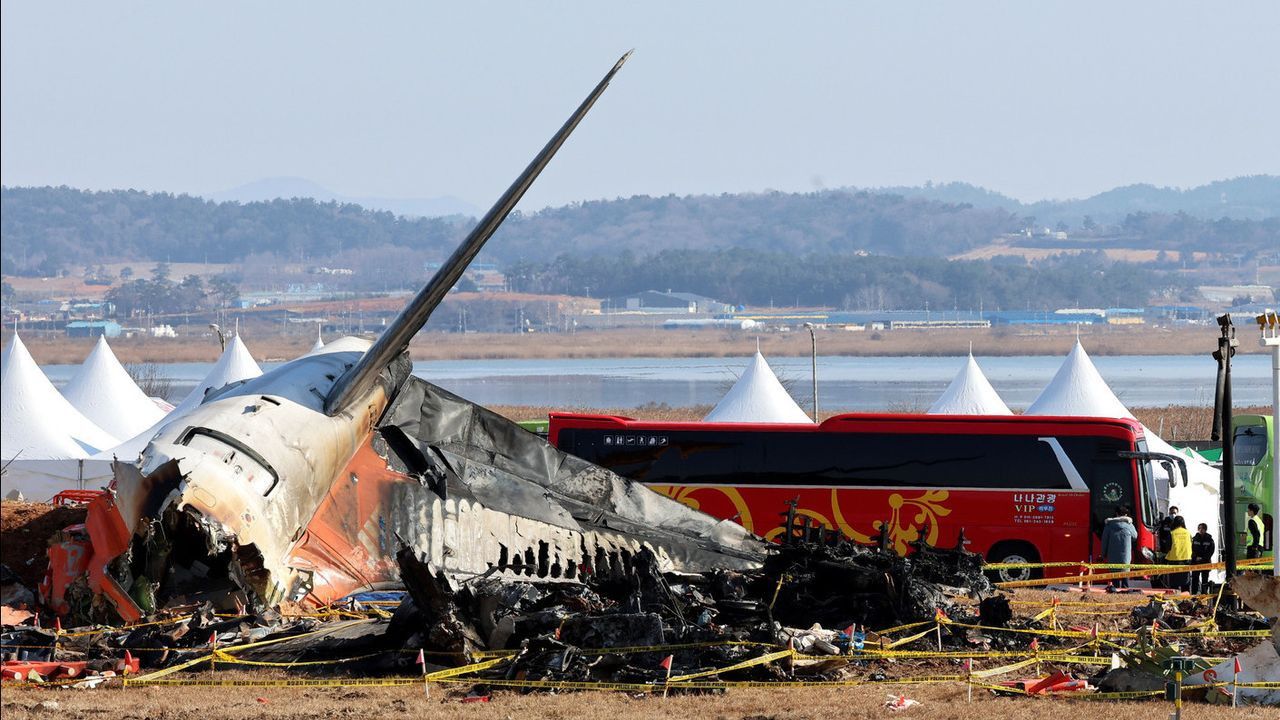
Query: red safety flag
(213,639)
(422,658)
(851,630)
(1236,665)
(666,663)
(1094,633)
(1035,644)
(968,665)
(939,616)
(57,624)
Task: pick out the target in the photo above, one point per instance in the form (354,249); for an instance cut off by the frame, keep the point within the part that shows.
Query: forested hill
(1256,197)
(45,229)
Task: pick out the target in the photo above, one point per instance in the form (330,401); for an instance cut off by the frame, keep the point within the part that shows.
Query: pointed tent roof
(234,365)
(1078,389)
(757,397)
(103,391)
(970,394)
(36,421)
(319,340)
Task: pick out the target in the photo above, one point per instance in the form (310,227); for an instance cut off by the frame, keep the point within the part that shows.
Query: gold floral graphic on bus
(908,517)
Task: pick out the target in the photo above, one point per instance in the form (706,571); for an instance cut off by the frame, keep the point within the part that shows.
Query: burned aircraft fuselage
(302,484)
(259,494)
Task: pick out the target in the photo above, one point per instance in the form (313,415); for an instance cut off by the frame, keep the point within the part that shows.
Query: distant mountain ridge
(1253,197)
(46,229)
(289,188)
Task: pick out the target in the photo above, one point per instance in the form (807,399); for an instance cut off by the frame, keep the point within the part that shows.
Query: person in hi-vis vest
(1253,532)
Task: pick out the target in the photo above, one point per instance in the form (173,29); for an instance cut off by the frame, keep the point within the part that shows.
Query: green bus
(537,427)
(1253,440)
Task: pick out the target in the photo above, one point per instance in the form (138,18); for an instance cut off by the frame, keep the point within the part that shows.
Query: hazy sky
(1034,99)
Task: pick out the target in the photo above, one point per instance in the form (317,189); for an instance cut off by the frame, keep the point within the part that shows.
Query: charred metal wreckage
(301,485)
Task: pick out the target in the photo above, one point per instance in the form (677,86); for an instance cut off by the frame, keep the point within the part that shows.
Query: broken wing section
(511,470)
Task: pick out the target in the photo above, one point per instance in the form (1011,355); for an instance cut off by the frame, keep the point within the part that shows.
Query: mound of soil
(25,529)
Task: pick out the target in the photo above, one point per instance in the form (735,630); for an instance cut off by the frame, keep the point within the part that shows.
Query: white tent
(970,394)
(37,422)
(757,397)
(234,365)
(319,345)
(104,393)
(1078,389)
(40,480)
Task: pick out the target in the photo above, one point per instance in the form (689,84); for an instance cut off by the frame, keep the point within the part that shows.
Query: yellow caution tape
(913,638)
(266,682)
(762,660)
(465,669)
(900,628)
(1099,577)
(1005,668)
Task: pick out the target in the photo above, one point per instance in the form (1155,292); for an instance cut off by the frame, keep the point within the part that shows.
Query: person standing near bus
(1253,540)
(1202,547)
(1118,536)
(1179,552)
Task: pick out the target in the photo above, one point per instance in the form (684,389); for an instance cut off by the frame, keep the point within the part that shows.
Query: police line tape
(752,662)
(210,658)
(586,685)
(1100,577)
(1117,633)
(1161,568)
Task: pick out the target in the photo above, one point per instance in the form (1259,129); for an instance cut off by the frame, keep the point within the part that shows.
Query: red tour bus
(1023,488)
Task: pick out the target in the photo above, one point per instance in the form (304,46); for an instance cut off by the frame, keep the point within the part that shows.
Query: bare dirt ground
(865,701)
(1001,341)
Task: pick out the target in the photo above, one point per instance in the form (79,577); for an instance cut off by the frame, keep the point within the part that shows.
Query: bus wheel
(1013,552)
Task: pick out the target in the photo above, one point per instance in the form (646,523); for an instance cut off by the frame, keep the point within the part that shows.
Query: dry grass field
(1002,249)
(1003,341)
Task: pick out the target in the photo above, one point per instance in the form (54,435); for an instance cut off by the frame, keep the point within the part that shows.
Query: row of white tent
(55,441)
(52,441)
(1077,389)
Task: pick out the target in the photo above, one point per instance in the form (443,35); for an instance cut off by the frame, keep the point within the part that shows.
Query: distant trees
(48,229)
(849,282)
(161,296)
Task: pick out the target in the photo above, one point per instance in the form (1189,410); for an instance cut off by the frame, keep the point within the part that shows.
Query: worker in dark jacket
(1118,536)
(1202,547)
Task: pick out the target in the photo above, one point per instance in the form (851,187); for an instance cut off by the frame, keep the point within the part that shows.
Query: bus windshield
(1249,444)
(1150,499)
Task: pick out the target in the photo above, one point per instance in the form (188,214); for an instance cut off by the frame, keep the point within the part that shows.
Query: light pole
(813,354)
(1222,432)
(1269,324)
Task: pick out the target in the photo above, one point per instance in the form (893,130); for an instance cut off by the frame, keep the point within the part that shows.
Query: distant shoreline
(1008,341)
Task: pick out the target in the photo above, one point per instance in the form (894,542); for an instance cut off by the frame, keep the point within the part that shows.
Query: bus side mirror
(1166,460)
